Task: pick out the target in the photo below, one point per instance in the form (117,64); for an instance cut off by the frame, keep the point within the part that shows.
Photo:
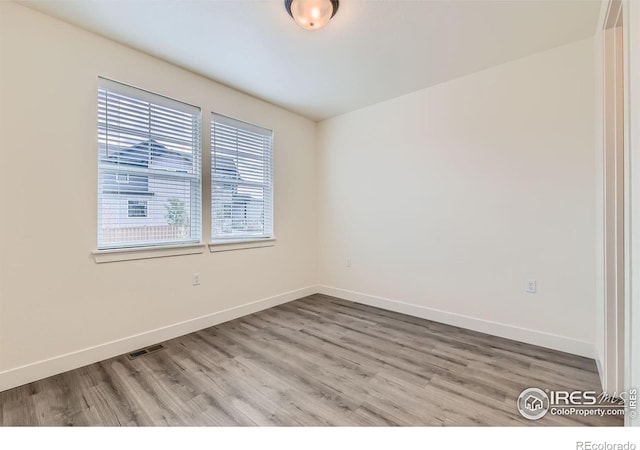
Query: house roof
(145,154)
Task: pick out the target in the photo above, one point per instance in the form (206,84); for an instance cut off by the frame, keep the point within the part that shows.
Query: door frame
(614,195)
(632,191)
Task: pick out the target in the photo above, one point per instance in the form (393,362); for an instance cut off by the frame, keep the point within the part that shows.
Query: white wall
(54,299)
(448,199)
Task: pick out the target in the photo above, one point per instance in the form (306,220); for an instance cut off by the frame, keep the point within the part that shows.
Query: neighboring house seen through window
(241,181)
(149,169)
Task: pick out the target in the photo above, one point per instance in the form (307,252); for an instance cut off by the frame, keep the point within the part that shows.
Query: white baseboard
(36,371)
(542,339)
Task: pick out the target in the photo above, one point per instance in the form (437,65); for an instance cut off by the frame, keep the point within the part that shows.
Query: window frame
(235,242)
(194,177)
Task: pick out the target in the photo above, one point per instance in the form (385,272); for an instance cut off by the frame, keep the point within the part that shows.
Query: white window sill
(226,246)
(129,254)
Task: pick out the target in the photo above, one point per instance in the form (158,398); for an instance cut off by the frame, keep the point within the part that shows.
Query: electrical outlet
(195,279)
(531,286)
(348,262)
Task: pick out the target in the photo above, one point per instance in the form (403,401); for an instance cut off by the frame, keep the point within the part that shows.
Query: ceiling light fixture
(311,14)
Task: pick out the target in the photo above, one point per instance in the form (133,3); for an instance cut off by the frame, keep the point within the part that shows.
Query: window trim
(219,246)
(134,253)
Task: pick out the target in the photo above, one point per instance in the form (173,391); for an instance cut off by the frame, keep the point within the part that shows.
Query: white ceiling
(371,50)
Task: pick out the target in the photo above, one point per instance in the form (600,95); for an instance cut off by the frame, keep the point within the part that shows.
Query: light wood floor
(315,361)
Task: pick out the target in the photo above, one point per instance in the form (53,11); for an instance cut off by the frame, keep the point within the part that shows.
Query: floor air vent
(145,351)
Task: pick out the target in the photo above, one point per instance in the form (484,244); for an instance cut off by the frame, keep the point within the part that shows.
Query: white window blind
(241,180)
(149,169)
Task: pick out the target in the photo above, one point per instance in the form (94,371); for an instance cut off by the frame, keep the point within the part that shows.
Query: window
(241,181)
(137,208)
(122,178)
(148,149)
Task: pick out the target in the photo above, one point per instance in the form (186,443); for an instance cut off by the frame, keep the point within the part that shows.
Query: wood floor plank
(317,361)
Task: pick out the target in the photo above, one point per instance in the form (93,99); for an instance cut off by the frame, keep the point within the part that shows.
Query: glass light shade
(311,14)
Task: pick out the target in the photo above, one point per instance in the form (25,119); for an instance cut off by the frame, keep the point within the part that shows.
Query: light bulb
(312,14)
